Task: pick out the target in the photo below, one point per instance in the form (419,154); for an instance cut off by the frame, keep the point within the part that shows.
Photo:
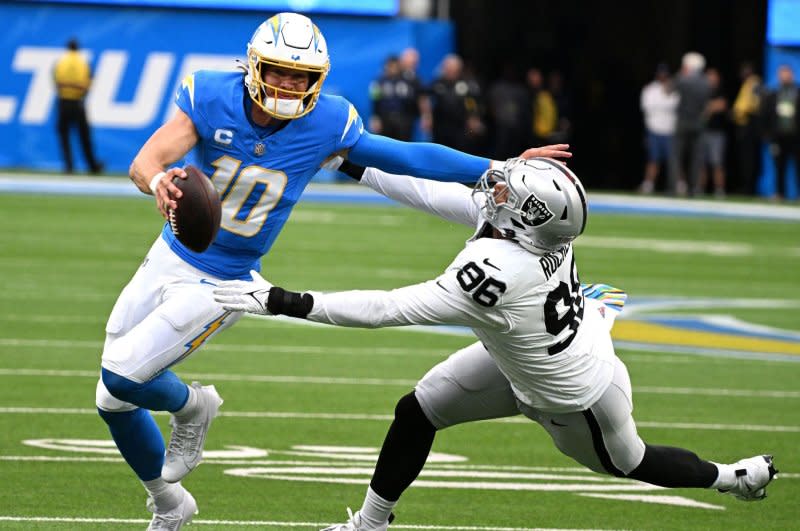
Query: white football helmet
(287,40)
(544,207)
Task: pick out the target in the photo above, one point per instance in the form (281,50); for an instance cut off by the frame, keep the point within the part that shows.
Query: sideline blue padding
(346,193)
(420,159)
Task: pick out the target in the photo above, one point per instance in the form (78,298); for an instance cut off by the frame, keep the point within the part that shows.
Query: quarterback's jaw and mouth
(284,90)
(285,83)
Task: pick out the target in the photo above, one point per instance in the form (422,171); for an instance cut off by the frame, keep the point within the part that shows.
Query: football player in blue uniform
(260,135)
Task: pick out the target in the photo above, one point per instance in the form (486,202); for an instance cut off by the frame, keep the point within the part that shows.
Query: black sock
(666,466)
(404,451)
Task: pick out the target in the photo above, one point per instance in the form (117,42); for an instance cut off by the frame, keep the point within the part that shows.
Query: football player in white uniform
(544,348)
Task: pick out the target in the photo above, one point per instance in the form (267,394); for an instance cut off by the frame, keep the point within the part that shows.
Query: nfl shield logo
(259,149)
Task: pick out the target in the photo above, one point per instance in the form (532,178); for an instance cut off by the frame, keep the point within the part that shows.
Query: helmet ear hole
(564,214)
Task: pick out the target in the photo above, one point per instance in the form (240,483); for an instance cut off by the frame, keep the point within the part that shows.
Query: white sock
(166,496)
(375,511)
(191,403)
(726,477)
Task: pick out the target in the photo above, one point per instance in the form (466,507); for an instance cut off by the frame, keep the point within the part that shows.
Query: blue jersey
(259,173)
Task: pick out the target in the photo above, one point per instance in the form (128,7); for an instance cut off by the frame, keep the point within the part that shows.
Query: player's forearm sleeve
(419,159)
(293,304)
(420,304)
(451,201)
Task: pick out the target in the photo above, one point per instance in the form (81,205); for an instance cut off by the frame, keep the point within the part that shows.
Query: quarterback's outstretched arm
(432,161)
(419,159)
(169,143)
(450,201)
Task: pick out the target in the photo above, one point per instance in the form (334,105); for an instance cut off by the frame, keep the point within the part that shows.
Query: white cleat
(752,477)
(174,519)
(185,449)
(354,524)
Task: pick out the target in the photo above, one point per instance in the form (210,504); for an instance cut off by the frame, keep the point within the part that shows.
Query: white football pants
(164,314)
(468,386)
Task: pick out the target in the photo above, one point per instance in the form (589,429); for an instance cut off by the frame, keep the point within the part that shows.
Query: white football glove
(243,296)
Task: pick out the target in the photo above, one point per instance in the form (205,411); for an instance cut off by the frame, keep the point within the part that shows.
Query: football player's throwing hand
(242,296)
(167,192)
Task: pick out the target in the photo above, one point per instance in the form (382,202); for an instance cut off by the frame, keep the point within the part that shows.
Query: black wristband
(353,171)
(293,304)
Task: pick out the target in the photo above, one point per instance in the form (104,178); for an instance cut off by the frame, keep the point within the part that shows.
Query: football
(195,221)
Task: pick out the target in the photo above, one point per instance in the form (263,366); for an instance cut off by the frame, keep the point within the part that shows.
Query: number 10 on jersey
(247,195)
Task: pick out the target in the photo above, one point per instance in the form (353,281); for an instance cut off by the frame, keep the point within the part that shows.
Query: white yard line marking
(586,474)
(657,358)
(228,347)
(716,392)
(668,246)
(32,318)
(331,380)
(680,501)
(720,427)
(366,416)
(590,476)
(318,380)
(267,523)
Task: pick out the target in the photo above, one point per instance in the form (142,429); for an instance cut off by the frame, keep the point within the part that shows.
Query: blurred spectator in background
(658,103)
(477,132)
(544,114)
(714,137)
(73,77)
(456,107)
(693,93)
(508,105)
(555,84)
(409,63)
(394,103)
(746,121)
(781,114)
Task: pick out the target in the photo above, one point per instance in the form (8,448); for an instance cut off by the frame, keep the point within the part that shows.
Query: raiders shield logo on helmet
(534,212)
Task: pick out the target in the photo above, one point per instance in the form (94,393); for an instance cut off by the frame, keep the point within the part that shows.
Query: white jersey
(527,309)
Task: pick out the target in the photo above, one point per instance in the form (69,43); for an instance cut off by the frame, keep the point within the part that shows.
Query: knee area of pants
(120,388)
(408,411)
(120,350)
(407,405)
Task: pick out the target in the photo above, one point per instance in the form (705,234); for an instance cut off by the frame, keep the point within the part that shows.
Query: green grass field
(306,407)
